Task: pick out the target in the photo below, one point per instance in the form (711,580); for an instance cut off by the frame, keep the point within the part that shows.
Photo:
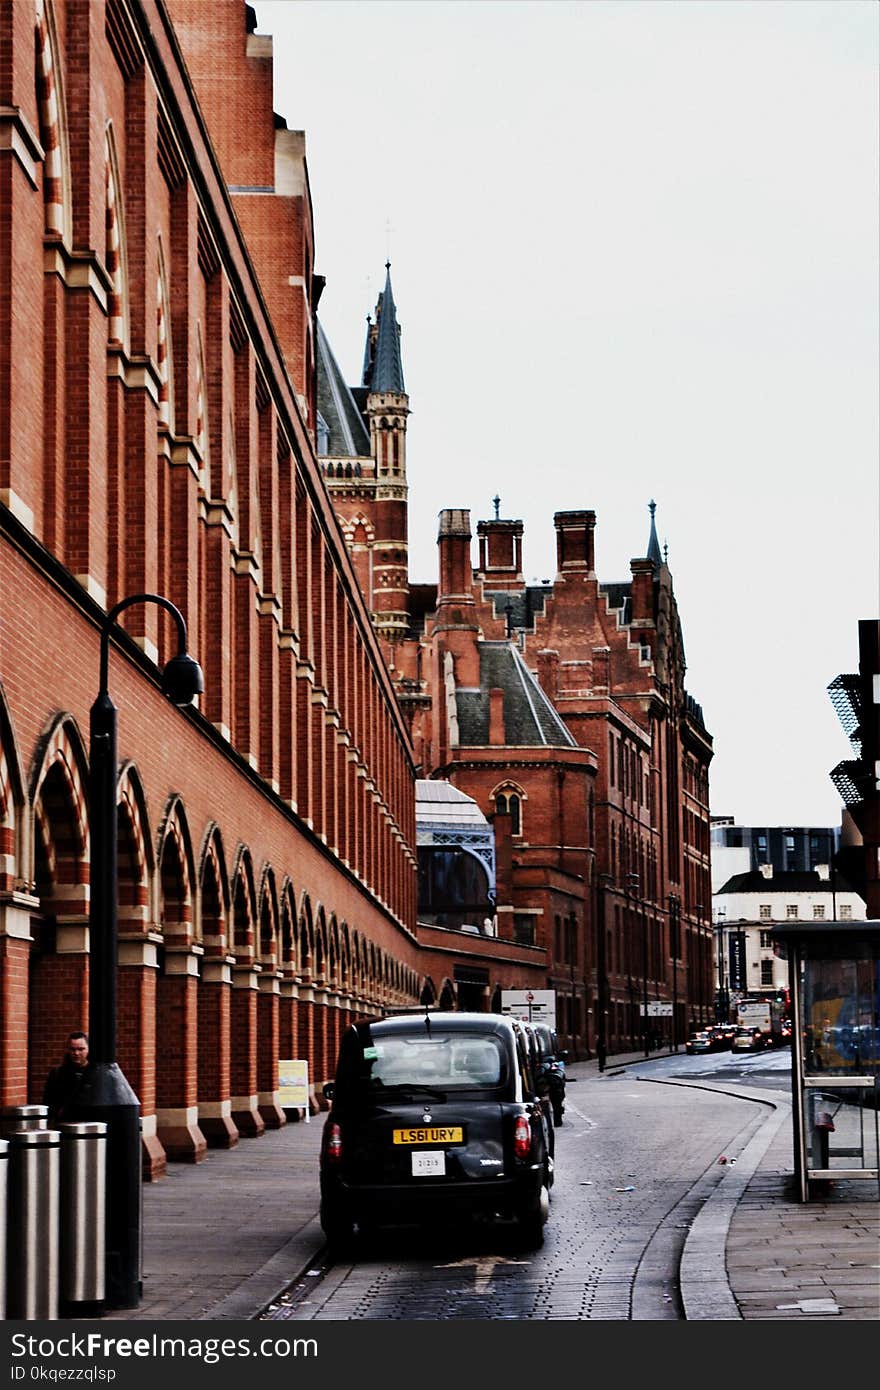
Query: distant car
(700,1042)
(434,1115)
(722,1036)
(748,1040)
(786,1030)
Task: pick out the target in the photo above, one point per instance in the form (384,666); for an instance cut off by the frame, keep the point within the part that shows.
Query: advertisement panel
(293,1085)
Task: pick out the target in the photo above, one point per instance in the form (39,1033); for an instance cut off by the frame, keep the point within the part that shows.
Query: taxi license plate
(435,1134)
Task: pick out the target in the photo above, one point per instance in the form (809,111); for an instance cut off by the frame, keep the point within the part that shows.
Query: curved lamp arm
(182,677)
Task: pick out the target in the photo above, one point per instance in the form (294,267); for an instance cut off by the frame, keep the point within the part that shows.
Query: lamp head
(182,679)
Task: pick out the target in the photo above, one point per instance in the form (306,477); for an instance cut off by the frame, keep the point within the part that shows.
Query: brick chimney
(496,718)
(575,544)
(500,544)
(456,617)
(642,593)
(548,672)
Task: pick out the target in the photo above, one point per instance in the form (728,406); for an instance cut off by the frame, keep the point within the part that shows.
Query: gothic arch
(176,876)
(244,907)
(52,113)
(287,922)
(115,256)
(60,773)
(305,950)
(213,901)
(269,951)
(13,820)
(163,345)
(135,862)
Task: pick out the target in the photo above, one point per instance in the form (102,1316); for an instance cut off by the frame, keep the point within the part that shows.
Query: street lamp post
(601,977)
(675,947)
(722,1006)
(113,1100)
(632,882)
(701,953)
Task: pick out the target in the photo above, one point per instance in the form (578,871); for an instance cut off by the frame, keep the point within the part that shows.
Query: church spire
(653,543)
(387,370)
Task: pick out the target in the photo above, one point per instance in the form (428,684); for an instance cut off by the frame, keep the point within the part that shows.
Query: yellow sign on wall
(293,1085)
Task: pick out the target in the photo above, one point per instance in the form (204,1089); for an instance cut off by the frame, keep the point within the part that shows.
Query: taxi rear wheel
(531,1219)
(337,1225)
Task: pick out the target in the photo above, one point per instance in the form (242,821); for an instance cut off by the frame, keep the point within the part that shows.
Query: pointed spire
(653,543)
(387,373)
(365,374)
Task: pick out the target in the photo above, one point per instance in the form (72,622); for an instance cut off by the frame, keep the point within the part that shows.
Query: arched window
(507,803)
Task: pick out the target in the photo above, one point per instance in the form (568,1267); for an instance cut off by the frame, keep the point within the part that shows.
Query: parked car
(551,1068)
(748,1039)
(434,1115)
(541,1089)
(700,1042)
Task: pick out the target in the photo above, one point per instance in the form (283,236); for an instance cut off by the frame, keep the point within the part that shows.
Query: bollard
(4,1169)
(16,1117)
(82,1252)
(32,1233)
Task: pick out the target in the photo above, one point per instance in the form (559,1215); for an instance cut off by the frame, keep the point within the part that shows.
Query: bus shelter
(834,979)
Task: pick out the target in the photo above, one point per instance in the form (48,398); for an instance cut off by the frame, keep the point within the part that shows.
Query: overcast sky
(634,252)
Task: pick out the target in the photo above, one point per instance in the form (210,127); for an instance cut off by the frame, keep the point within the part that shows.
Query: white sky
(634,251)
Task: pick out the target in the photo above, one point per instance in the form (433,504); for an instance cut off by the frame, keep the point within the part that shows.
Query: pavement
(224,1238)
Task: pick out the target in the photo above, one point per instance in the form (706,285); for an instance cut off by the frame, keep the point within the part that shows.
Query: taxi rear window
(445,1060)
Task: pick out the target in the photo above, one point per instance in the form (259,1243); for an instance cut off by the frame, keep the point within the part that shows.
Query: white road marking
(484,1268)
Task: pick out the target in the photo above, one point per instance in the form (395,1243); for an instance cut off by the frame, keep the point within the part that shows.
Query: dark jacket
(67,1087)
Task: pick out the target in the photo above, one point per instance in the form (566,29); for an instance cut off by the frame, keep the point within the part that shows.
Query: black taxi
(434,1115)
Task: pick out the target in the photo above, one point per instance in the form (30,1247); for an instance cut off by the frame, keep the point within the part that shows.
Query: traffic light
(856,698)
(857,701)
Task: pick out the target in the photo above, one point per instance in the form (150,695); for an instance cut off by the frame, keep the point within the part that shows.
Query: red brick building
(561,709)
(157,431)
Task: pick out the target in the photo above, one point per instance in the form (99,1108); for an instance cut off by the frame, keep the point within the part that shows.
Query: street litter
(586,1182)
(624,1189)
(723,1158)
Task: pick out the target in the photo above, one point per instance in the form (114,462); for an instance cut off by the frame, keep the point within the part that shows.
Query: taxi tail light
(522,1137)
(333,1146)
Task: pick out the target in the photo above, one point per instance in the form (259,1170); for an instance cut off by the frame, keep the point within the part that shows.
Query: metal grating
(847,697)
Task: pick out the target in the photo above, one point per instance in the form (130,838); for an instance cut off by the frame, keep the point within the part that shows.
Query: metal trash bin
(4,1170)
(15,1117)
(82,1252)
(32,1231)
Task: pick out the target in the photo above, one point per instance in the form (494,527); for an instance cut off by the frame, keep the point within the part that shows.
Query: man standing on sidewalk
(68,1086)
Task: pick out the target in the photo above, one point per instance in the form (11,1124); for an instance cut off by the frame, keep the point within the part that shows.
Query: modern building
(789,848)
(750,904)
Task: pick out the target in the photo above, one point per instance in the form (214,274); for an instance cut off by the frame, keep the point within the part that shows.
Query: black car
(434,1115)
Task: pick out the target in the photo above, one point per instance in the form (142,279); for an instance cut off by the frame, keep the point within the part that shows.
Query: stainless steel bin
(4,1170)
(32,1230)
(82,1251)
(15,1117)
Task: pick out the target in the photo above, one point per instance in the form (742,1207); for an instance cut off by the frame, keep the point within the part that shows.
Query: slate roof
(529,717)
(348,434)
(785,881)
(387,367)
(619,596)
(524,603)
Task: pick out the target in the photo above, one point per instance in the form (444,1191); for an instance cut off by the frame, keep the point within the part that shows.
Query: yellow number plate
(448,1134)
